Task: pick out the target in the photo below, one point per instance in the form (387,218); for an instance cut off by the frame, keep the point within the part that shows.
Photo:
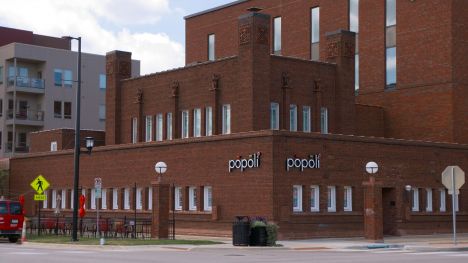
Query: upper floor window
(149,129)
(315,33)
(274,116)
(169,125)
(293,117)
(324,120)
(63,77)
(211,47)
(102,81)
(185,124)
(390,13)
(102,112)
(354,16)
(1,74)
(134,130)
(67,110)
(226,119)
(58,77)
(57,109)
(209,121)
(390,43)
(277,35)
(197,122)
(159,127)
(53,146)
(306,119)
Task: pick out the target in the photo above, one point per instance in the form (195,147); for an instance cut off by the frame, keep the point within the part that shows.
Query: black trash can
(258,236)
(241,231)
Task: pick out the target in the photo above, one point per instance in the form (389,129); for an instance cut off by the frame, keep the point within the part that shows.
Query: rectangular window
(390,13)
(390,43)
(356,73)
(192,198)
(348,199)
(297,198)
(324,120)
(58,109)
(104,199)
(354,16)
(197,122)
(93,198)
(127,198)
(58,77)
(209,121)
(102,112)
(178,198)
(185,124)
(159,127)
(226,119)
(150,198)
(102,81)
(169,125)
(292,117)
(149,129)
(207,198)
(63,198)
(45,202)
(211,47)
(83,193)
(391,66)
(314,198)
(54,199)
(306,119)
(53,146)
(72,197)
(277,35)
(443,198)
(115,199)
(428,200)
(139,199)
(1,74)
(67,110)
(134,130)
(67,78)
(315,34)
(274,116)
(331,199)
(415,206)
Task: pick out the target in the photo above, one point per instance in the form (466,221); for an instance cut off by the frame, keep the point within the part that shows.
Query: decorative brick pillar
(160,222)
(373,212)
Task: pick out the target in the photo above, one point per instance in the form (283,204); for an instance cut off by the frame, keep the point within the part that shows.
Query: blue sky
(153,30)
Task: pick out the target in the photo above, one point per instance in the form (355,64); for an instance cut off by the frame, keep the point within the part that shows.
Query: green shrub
(272,234)
(256,223)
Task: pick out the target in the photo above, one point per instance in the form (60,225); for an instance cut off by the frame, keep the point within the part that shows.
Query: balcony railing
(25,82)
(30,115)
(20,147)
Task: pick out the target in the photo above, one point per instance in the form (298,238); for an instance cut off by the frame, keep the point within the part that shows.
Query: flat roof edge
(215,9)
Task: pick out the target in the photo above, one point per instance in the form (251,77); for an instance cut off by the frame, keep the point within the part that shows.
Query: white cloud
(101,24)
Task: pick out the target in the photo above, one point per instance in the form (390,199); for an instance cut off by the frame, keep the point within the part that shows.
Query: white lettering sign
(312,163)
(242,163)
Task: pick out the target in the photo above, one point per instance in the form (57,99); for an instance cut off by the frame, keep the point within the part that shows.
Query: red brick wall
(11,35)
(65,138)
(370,121)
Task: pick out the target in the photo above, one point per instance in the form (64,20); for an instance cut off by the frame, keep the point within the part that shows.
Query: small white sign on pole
(97,188)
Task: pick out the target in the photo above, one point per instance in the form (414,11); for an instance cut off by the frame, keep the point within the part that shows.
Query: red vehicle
(11,220)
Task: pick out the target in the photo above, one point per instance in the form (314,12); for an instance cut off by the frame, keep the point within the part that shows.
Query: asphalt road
(51,254)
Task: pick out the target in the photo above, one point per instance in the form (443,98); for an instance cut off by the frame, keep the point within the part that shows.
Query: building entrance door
(389,211)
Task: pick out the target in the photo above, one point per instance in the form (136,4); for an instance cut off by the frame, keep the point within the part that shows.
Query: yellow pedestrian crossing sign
(40,184)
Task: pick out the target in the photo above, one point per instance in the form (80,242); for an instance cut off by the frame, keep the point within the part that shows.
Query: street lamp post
(76,174)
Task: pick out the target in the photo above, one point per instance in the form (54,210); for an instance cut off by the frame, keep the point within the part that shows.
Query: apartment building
(38,81)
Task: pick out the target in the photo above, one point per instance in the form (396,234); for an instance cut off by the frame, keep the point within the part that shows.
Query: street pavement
(427,249)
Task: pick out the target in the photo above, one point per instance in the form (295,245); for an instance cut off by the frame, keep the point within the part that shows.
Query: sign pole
(454,211)
(97,217)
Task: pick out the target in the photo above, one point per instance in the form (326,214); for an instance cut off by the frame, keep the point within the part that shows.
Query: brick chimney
(118,67)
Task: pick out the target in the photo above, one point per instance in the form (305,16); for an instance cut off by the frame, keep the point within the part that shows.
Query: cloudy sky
(153,30)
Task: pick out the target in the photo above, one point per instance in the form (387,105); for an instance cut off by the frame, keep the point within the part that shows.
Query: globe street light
(160,168)
(372,168)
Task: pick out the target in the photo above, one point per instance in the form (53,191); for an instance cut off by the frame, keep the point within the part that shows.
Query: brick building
(248,132)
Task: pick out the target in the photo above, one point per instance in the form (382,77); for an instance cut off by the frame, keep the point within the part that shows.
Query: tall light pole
(77,144)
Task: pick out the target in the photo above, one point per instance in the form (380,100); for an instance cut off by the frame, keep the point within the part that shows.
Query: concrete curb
(435,249)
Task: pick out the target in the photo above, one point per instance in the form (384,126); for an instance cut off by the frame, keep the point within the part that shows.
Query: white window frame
(150,198)
(429,200)
(306,120)
(127,199)
(134,130)
(45,203)
(177,198)
(324,120)
(226,119)
(211,47)
(102,112)
(115,199)
(293,117)
(208,121)
(63,195)
(443,200)
(207,198)
(331,206)
(93,199)
(415,205)
(169,126)
(104,199)
(315,26)
(54,199)
(53,146)
(197,122)
(348,199)
(193,198)
(277,36)
(314,198)
(102,80)
(274,116)
(185,124)
(139,198)
(149,128)
(297,194)
(159,127)
(72,198)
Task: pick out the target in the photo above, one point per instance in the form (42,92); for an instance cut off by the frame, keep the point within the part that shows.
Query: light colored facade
(40,83)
